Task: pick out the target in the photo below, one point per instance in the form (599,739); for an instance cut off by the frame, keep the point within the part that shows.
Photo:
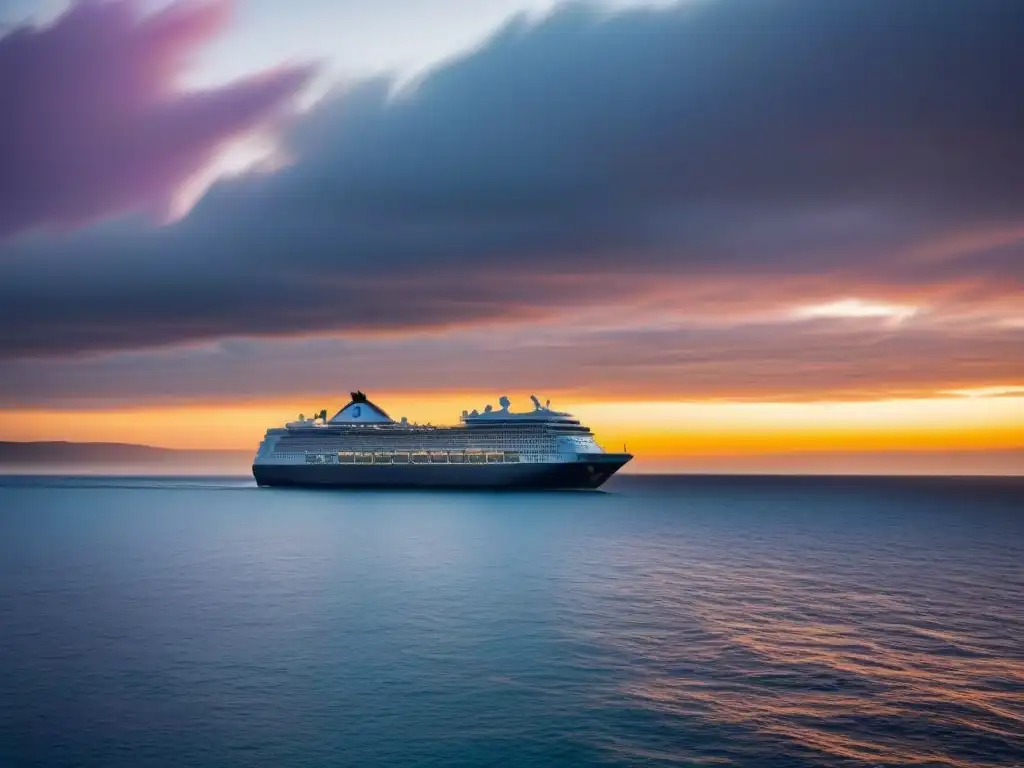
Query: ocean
(687,621)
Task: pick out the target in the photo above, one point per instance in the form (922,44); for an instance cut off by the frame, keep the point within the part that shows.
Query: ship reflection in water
(770,622)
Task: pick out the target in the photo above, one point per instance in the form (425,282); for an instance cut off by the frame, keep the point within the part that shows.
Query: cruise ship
(361,446)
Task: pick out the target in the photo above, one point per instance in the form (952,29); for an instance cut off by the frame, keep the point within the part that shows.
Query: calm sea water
(686,621)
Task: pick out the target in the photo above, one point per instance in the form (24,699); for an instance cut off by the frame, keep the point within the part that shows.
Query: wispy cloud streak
(95,122)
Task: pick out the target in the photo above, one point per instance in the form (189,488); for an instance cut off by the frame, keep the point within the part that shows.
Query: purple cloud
(94,121)
(725,157)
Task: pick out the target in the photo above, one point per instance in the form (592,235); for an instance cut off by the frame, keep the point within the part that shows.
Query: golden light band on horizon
(651,428)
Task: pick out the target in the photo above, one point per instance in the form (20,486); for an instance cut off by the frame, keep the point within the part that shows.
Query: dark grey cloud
(580,159)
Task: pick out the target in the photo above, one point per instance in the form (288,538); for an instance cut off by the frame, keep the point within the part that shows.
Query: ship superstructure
(496,448)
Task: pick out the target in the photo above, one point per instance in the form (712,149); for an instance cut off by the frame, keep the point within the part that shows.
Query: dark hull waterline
(588,473)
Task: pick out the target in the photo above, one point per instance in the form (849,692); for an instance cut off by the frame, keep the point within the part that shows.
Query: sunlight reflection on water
(893,661)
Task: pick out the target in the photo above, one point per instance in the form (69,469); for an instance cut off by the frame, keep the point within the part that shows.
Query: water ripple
(813,655)
(778,623)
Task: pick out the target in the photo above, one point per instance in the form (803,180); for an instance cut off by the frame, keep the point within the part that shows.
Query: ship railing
(321,458)
(417,457)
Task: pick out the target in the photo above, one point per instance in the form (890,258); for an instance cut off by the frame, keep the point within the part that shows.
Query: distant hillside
(64,454)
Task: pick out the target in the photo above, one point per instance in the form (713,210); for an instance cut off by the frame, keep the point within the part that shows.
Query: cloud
(94,122)
(584,159)
(821,359)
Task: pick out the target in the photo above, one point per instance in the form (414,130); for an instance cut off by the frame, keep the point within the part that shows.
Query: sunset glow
(404,383)
(515,198)
(658,432)
(857,308)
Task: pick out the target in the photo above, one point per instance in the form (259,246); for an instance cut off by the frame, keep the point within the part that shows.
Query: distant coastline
(62,456)
(59,451)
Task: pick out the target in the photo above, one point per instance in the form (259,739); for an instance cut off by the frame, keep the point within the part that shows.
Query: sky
(731,234)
